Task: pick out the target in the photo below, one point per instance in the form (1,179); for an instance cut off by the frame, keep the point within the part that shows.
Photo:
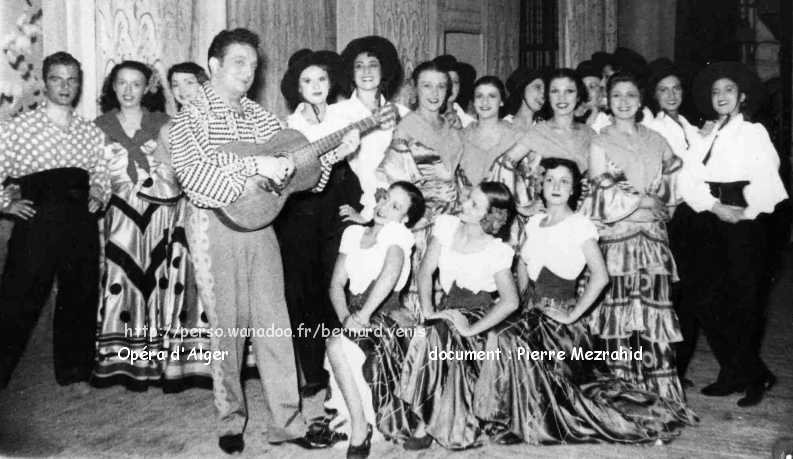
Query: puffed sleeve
(394,233)
(765,189)
(585,230)
(350,238)
(444,228)
(501,256)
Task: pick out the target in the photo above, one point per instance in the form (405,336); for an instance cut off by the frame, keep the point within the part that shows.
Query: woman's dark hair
(552,163)
(496,83)
(652,101)
(153,99)
(391,71)
(436,67)
(501,210)
(625,77)
(582,95)
(188,67)
(417,204)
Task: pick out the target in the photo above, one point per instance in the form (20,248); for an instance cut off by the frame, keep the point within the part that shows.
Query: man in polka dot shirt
(54,178)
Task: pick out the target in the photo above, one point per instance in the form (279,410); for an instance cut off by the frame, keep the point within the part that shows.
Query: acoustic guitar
(261,200)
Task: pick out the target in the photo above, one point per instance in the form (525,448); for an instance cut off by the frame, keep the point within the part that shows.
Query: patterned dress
(376,357)
(441,369)
(137,291)
(562,398)
(416,143)
(637,310)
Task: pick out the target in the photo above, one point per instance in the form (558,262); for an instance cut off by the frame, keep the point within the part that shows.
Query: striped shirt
(211,177)
(32,143)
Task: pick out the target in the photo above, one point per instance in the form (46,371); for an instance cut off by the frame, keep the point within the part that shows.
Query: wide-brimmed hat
(601,59)
(588,69)
(391,72)
(628,60)
(304,59)
(747,80)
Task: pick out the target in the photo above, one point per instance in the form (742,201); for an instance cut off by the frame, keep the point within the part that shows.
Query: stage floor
(40,418)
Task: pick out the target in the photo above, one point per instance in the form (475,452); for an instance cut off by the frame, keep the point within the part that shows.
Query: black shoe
(756,391)
(361,451)
(722,389)
(231,444)
(686,383)
(417,443)
(508,438)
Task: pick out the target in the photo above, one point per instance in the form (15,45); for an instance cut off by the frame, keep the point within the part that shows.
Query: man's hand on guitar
(349,143)
(276,168)
(351,215)
(387,117)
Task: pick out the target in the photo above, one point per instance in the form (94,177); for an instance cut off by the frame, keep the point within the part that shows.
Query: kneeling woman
(376,262)
(441,365)
(552,397)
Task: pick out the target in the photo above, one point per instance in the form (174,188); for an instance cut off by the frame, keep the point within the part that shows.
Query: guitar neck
(333,140)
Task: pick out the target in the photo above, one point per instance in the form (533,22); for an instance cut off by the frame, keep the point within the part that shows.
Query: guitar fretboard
(333,140)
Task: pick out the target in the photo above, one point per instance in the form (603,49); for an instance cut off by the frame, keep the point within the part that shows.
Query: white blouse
(741,151)
(559,247)
(313,132)
(679,136)
(474,271)
(364,265)
(372,149)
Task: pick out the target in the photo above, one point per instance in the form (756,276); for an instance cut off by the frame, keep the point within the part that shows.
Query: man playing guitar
(239,273)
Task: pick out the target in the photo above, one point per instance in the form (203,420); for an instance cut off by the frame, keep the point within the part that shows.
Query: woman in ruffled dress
(474,265)
(630,168)
(365,363)
(138,224)
(426,151)
(554,397)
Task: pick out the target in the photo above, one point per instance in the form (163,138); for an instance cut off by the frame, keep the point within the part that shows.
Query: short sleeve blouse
(473,271)
(559,247)
(364,265)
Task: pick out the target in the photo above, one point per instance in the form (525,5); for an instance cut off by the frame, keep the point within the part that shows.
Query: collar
(216,107)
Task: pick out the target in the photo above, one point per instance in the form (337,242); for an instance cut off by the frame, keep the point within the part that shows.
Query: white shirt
(372,149)
(741,151)
(559,247)
(679,136)
(314,132)
(473,271)
(364,265)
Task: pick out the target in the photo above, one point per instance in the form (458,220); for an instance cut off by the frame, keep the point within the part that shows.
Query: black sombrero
(588,69)
(303,59)
(390,65)
(748,83)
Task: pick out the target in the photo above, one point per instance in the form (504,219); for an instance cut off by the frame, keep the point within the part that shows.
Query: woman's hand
(21,208)
(94,204)
(727,214)
(560,316)
(349,214)
(458,320)
(355,324)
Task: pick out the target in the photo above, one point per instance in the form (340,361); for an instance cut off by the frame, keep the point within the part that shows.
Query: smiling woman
(426,150)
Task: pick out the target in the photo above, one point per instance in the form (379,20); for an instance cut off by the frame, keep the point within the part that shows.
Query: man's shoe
(231,444)
(756,391)
(722,389)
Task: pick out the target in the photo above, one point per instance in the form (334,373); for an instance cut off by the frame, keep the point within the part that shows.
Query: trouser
(240,282)
(728,279)
(61,240)
(309,233)
(681,244)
